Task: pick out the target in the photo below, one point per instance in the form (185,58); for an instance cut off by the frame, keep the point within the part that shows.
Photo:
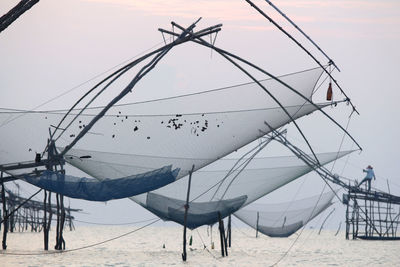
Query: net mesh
(284,219)
(215,188)
(135,138)
(104,190)
(206,126)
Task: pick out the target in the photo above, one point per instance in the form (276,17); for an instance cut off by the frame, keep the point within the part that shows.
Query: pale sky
(58,45)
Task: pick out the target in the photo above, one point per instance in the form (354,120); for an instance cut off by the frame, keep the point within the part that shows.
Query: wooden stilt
(357,221)
(211,235)
(258,217)
(229,231)
(5,214)
(57,246)
(221,234)
(366,218)
(225,239)
(45,231)
(184,255)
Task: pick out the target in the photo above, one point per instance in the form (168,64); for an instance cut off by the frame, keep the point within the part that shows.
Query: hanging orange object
(329,92)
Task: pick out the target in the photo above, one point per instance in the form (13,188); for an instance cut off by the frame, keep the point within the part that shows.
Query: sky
(58,45)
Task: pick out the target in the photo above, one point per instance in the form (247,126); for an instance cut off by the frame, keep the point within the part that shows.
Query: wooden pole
(211,235)
(347,218)
(258,217)
(354,219)
(62,241)
(225,239)
(57,246)
(357,220)
(380,220)
(45,231)
(230,230)
(50,211)
(8,18)
(184,255)
(5,214)
(221,234)
(390,214)
(366,217)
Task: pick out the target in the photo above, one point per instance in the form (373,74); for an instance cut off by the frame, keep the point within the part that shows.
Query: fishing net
(104,190)
(284,219)
(192,130)
(136,138)
(222,187)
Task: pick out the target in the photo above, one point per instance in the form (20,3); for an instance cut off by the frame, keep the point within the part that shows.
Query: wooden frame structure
(371,215)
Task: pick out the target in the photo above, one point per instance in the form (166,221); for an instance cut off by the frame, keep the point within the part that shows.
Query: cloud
(219,9)
(344,4)
(353,14)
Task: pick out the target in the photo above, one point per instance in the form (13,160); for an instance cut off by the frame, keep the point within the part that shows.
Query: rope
(128,223)
(341,144)
(243,233)
(84,247)
(301,231)
(291,202)
(301,31)
(205,247)
(17,208)
(161,99)
(83,83)
(302,47)
(57,112)
(244,164)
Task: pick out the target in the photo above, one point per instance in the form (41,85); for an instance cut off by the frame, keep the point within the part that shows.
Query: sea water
(145,247)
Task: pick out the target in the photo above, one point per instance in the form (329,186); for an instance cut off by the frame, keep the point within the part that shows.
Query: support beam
(184,255)
(5,215)
(221,234)
(229,231)
(258,217)
(45,230)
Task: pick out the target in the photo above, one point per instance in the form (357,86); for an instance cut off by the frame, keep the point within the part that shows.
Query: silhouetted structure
(372,215)
(21,214)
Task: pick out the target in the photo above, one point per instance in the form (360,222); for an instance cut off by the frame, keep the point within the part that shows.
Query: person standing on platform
(368,177)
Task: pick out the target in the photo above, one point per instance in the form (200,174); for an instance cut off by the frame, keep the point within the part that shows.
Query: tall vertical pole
(366,216)
(45,230)
(390,213)
(357,220)
(225,239)
(221,234)
(354,219)
(50,210)
(5,214)
(258,217)
(229,231)
(62,241)
(347,219)
(347,213)
(380,219)
(184,255)
(371,216)
(57,246)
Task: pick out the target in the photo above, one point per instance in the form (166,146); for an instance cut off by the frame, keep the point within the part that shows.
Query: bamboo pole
(258,216)
(5,214)
(229,231)
(184,255)
(45,230)
(221,234)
